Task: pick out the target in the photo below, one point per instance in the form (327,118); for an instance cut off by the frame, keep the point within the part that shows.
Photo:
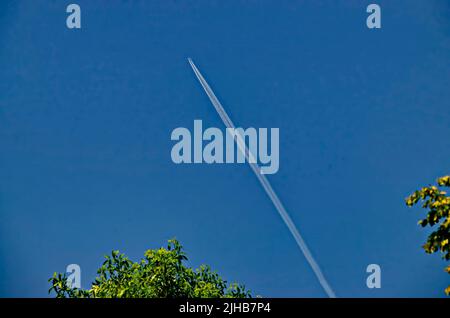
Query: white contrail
(266,185)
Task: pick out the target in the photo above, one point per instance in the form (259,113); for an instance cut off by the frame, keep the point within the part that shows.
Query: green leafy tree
(160,274)
(436,201)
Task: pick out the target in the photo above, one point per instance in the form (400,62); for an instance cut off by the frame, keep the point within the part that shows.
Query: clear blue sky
(86,117)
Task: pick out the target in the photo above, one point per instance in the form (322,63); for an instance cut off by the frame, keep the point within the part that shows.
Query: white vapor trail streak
(266,184)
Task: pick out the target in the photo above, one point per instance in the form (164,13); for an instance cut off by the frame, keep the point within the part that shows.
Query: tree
(160,274)
(437,203)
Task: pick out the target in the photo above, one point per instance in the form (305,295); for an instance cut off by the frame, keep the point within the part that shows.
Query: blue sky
(86,117)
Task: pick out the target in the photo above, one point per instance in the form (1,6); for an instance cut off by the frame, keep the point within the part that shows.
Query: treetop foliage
(436,201)
(160,274)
